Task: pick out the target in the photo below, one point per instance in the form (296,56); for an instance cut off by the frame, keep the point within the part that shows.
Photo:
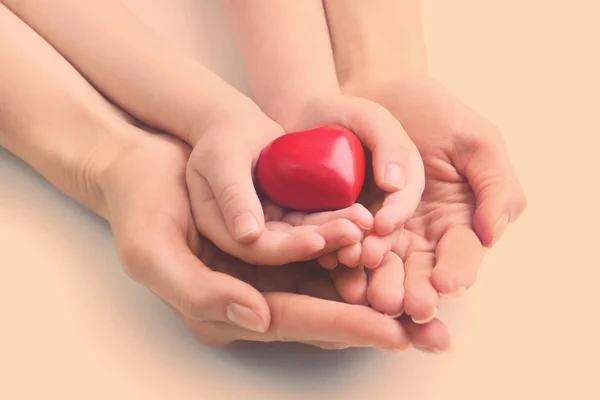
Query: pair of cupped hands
(440,189)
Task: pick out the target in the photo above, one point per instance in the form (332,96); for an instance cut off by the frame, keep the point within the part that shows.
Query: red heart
(313,170)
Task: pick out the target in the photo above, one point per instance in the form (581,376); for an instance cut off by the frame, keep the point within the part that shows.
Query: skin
(54,120)
(298,89)
(172,93)
(471,190)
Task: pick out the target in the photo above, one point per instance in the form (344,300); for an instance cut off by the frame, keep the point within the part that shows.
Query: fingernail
(426,320)
(245,318)
(394,176)
(394,316)
(454,295)
(429,350)
(499,229)
(244,225)
(400,351)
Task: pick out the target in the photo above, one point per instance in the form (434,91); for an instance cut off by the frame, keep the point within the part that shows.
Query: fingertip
(394,178)
(421,320)
(351,284)
(447,283)
(350,255)
(328,261)
(314,243)
(382,224)
(364,219)
(374,250)
(247,228)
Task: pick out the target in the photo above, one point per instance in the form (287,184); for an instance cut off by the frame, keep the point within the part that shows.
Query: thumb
(164,263)
(500,199)
(389,144)
(227,171)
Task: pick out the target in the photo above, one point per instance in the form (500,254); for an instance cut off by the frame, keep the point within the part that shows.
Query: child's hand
(229,212)
(395,179)
(471,193)
(392,191)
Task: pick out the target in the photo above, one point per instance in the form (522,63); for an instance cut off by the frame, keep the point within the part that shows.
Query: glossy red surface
(313,170)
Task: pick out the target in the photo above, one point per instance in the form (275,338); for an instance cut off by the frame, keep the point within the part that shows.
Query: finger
(375,248)
(483,160)
(272,247)
(458,257)
(400,206)
(227,170)
(396,162)
(351,284)
(300,318)
(338,234)
(328,345)
(350,255)
(432,337)
(386,286)
(421,298)
(356,213)
(384,136)
(328,261)
(160,260)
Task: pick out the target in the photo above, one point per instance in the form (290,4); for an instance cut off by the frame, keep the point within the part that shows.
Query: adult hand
(471,190)
(169,91)
(55,121)
(223,299)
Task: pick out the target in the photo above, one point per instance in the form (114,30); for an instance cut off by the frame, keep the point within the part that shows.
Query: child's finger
(351,284)
(356,213)
(421,297)
(375,248)
(328,261)
(338,234)
(350,255)
(385,291)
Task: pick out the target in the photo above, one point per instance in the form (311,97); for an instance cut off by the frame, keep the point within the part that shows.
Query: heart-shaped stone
(313,170)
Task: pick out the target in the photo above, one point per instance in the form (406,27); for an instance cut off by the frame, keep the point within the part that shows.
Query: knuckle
(135,257)
(192,305)
(230,197)
(208,334)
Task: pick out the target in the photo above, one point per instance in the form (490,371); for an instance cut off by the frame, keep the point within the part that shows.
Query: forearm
(376,40)
(130,64)
(286,50)
(49,116)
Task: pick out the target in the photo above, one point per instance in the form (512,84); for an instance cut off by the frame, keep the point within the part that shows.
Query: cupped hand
(228,210)
(220,298)
(471,190)
(393,186)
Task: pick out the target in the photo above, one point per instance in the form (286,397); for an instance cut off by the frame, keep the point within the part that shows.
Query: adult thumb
(499,196)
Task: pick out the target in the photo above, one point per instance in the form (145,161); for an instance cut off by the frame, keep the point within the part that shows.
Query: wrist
(376,40)
(291,111)
(72,156)
(228,105)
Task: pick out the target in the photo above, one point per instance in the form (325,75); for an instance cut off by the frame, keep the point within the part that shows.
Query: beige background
(74,327)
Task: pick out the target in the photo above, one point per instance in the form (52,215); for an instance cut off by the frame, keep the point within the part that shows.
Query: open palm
(471,191)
